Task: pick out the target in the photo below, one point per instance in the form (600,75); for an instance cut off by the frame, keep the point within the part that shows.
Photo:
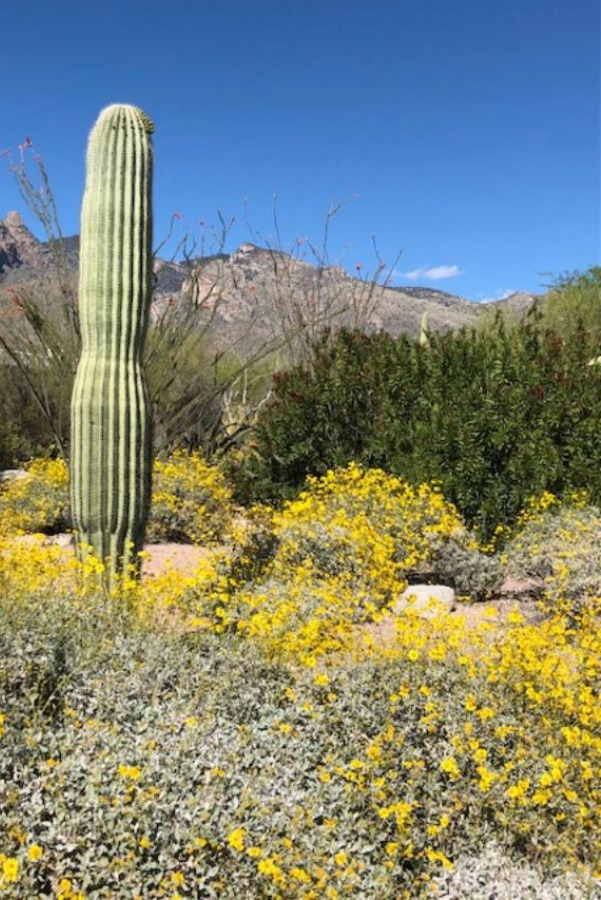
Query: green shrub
(496,415)
(572,307)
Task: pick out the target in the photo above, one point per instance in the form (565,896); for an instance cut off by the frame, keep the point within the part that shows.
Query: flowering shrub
(191,501)
(559,543)
(300,580)
(38,501)
(375,529)
(225,735)
(184,764)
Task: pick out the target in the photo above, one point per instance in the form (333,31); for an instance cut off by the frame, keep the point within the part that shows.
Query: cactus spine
(110,416)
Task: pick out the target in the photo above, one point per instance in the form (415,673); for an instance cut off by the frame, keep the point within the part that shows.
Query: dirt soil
(183,557)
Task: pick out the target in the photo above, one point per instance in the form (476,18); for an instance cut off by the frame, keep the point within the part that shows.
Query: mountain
(19,249)
(251,295)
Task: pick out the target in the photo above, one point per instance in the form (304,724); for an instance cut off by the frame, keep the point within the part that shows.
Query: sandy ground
(183,557)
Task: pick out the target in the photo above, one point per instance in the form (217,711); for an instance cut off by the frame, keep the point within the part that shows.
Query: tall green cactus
(110,415)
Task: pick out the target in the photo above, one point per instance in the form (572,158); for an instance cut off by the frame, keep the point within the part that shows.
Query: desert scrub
(272,747)
(475,572)
(560,543)
(37,502)
(191,501)
(188,764)
(254,543)
(301,580)
(31,568)
(376,529)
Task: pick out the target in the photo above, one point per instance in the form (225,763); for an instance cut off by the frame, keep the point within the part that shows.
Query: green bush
(573,308)
(495,414)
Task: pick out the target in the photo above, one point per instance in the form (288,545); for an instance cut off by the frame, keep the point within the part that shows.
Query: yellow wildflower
(130,772)
(449,767)
(236,839)
(10,869)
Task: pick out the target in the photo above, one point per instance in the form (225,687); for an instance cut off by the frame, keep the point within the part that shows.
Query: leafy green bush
(23,431)
(496,414)
(572,308)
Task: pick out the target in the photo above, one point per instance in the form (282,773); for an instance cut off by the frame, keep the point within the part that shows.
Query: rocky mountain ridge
(253,293)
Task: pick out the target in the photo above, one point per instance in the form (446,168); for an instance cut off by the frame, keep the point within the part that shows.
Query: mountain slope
(254,294)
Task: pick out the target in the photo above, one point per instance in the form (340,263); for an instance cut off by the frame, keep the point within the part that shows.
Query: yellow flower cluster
(344,547)
(388,524)
(191,500)
(9,872)
(28,566)
(36,501)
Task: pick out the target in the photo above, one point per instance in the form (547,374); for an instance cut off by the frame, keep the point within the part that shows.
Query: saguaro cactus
(110,416)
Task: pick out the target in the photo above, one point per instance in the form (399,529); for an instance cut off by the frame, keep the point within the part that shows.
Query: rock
(521,589)
(18,246)
(12,474)
(63,540)
(426,600)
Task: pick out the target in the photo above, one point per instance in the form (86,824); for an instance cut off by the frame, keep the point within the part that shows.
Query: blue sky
(468,133)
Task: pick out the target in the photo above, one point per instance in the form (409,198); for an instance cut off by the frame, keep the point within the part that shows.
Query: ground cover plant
(248,730)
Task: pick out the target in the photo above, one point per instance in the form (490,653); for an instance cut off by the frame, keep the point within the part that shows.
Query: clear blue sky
(470,130)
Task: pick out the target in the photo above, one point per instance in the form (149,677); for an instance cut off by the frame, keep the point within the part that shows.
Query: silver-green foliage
(130,755)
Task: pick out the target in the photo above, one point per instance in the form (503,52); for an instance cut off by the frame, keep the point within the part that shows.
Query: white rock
(13,474)
(426,600)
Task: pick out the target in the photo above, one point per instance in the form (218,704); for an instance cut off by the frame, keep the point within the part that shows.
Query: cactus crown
(135,112)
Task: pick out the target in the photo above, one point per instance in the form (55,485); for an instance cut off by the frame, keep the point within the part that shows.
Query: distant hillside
(251,293)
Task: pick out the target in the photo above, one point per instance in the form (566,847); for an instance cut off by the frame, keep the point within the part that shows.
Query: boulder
(426,600)
(12,474)
(515,588)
